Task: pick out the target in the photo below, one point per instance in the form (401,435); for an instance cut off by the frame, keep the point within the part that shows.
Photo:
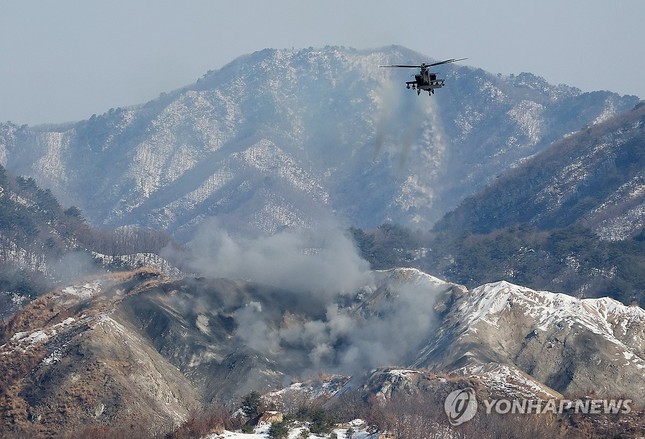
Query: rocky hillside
(69,363)
(571,345)
(43,244)
(568,219)
(593,178)
(284,137)
(122,347)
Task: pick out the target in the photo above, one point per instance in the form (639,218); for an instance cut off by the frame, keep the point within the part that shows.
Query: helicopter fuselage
(425,81)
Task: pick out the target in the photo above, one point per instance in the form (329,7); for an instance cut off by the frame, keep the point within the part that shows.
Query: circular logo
(461,406)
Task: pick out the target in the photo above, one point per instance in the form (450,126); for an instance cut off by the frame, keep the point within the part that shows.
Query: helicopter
(425,79)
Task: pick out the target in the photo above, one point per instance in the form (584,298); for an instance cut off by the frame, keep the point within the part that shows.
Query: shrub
(279,430)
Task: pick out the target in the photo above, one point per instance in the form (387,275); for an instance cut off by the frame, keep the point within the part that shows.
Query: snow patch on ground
(359,428)
(85,291)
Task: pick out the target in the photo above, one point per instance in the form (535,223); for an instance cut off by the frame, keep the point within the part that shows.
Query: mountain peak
(548,309)
(372,149)
(550,331)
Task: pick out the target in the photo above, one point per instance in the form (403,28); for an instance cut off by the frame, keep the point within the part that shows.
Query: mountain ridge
(579,178)
(276,142)
(325,117)
(192,331)
(43,244)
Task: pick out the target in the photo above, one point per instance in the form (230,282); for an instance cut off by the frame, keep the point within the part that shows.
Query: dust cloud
(334,313)
(322,262)
(399,121)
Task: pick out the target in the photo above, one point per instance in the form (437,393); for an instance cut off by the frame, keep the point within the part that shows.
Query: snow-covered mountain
(593,178)
(65,367)
(43,245)
(285,137)
(571,345)
(175,343)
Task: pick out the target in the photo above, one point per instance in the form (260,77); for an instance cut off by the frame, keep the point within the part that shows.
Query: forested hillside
(43,243)
(572,259)
(594,177)
(570,219)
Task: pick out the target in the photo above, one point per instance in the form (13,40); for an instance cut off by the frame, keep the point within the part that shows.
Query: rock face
(72,363)
(137,345)
(284,137)
(574,346)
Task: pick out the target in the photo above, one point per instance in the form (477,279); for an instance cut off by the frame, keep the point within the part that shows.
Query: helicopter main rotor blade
(404,66)
(451,60)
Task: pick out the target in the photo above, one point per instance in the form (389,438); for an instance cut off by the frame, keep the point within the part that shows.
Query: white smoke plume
(313,318)
(399,121)
(344,340)
(324,261)
(392,332)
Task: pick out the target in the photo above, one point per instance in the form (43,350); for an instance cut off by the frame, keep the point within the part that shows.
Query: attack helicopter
(425,79)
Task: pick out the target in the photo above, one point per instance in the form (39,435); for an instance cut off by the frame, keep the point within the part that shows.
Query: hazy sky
(64,60)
